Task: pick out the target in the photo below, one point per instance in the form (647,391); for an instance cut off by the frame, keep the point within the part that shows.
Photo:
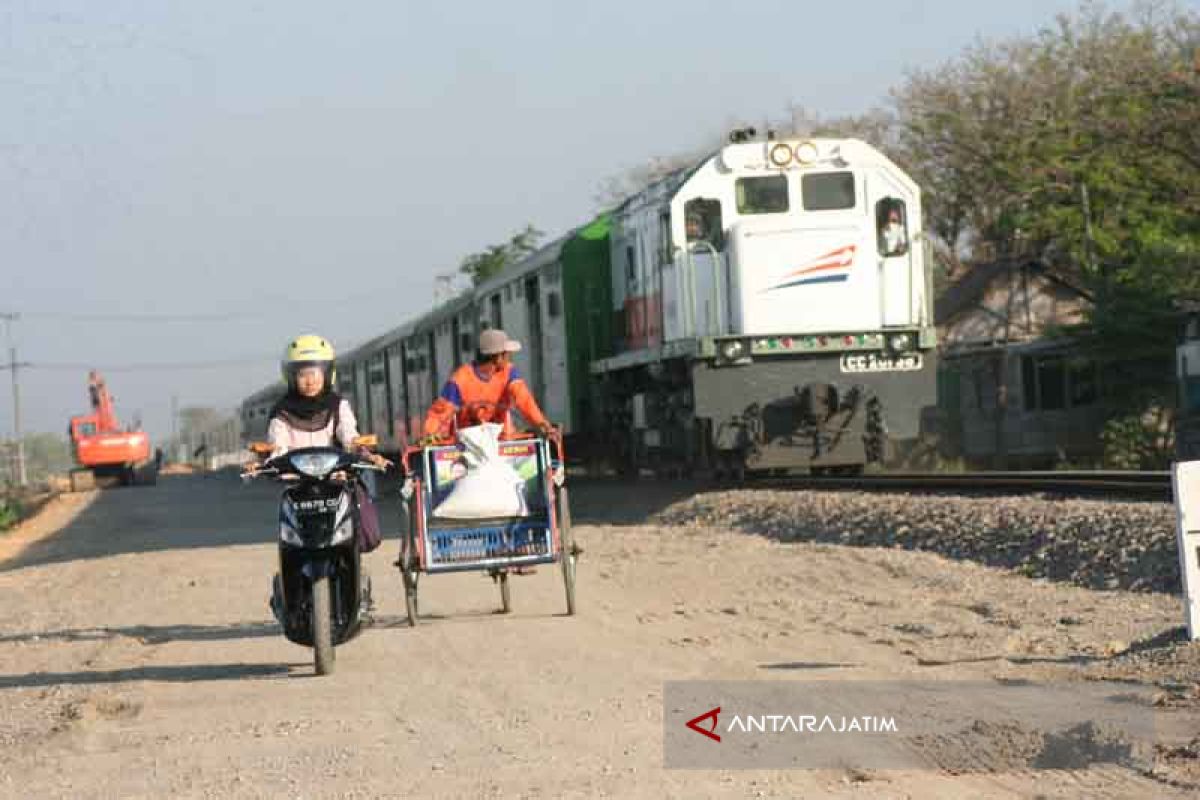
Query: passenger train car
(256,410)
(767,308)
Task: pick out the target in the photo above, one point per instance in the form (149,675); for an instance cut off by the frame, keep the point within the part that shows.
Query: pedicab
(500,546)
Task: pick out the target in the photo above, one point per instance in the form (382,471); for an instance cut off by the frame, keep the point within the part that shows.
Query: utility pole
(14,365)
(174,456)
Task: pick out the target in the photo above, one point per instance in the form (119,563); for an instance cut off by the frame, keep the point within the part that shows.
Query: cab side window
(891,223)
(702,221)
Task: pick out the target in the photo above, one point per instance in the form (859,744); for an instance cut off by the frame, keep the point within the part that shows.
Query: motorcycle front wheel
(322,627)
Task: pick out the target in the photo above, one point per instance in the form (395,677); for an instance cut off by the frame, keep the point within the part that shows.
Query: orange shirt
(469,398)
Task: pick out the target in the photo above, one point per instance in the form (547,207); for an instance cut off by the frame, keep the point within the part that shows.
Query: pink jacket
(284,437)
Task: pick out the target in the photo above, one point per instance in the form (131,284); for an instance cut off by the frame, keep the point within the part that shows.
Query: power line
(152,366)
(275,305)
(155,366)
(151,317)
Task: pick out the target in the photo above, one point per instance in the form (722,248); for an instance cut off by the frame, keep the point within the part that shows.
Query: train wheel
(737,469)
(731,466)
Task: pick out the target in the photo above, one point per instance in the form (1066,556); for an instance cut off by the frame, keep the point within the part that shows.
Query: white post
(1186,482)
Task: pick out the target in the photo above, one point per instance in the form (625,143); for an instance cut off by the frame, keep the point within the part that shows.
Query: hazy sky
(303,166)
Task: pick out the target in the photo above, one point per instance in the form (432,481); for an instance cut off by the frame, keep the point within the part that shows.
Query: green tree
(1079,147)
(494,258)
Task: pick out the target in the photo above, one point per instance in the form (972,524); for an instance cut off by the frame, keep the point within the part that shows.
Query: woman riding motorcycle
(312,414)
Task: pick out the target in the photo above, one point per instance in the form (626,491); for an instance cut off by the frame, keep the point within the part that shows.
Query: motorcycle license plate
(320,505)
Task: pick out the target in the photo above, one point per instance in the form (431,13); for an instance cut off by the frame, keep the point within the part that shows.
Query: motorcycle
(319,596)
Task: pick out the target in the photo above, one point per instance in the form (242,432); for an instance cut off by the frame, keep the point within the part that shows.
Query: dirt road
(138,658)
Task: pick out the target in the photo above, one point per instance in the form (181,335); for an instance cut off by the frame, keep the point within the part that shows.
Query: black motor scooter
(319,595)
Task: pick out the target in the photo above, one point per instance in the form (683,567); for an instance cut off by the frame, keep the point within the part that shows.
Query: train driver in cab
(484,391)
(893,241)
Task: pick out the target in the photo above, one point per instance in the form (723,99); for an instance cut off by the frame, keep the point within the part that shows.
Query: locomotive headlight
(900,343)
(733,351)
(781,155)
(806,153)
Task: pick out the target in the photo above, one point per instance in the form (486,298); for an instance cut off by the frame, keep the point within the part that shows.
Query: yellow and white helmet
(309,350)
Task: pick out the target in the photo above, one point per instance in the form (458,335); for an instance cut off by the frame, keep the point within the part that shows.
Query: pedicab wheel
(410,576)
(569,551)
(505,593)
(410,594)
(322,627)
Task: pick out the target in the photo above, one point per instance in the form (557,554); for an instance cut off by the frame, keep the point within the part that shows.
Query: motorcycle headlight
(345,526)
(288,534)
(287,510)
(344,531)
(315,465)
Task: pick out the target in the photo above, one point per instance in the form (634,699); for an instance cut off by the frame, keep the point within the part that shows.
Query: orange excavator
(107,455)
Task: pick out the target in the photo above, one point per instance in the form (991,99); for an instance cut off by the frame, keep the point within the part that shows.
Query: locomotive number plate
(876,362)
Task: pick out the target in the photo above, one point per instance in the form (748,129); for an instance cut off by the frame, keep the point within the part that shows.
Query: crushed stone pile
(1090,542)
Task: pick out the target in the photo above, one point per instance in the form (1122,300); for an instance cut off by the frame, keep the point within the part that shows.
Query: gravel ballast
(1090,542)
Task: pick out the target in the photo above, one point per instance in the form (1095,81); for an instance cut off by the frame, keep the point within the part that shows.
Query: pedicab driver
(484,391)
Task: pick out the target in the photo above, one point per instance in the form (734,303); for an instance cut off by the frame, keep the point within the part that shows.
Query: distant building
(1009,394)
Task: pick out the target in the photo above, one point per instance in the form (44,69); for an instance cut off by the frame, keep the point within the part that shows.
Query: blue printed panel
(474,545)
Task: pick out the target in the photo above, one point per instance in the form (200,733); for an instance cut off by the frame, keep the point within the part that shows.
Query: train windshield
(827,191)
(765,195)
(1191,394)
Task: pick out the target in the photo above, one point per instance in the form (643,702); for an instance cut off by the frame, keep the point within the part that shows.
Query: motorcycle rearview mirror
(370,440)
(260,448)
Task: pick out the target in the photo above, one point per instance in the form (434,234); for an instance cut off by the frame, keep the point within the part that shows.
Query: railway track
(1140,485)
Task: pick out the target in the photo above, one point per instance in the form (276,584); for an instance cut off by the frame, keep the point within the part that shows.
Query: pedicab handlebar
(555,437)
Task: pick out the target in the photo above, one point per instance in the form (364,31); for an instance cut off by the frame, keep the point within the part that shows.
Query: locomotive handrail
(715,325)
(927,269)
(687,292)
